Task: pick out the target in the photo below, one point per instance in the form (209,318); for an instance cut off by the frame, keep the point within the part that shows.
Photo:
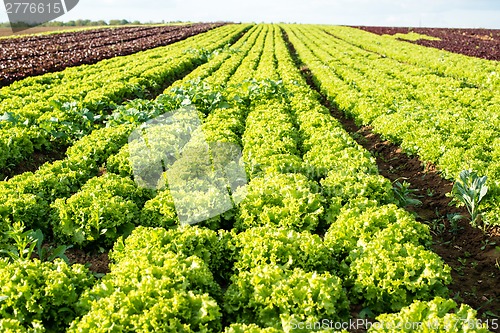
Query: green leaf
(366,313)
(59,252)
(9,117)
(491,314)
(56,104)
(37,235)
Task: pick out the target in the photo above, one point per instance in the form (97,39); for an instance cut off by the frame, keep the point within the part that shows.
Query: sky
(415,13)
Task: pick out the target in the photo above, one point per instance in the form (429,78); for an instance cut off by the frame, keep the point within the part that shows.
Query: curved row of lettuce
(27,197)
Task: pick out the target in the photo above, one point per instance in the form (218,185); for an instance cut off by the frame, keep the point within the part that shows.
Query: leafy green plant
(251,90)
(208,245)
(388,275)
(41,293)
(135,111)
(8,325)
(152,291)
(437,226)
(283,247)
(485,243)
(454,218)
(437,315)
(105,208)
(357,226)
(25,243)
(159,211)
(48,253)
(270,296)
(348,186)
(470,190)
(405,195)
(286,200)
(68,121)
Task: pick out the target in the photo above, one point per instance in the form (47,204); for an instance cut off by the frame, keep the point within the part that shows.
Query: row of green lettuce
(52,111)
(472,71)
(165,280)
(263,267)
(440,106)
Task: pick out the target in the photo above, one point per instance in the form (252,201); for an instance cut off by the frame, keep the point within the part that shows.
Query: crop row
(306,176)
(481,43)
(36,55)
(51,111)
(438,112)
(473,72)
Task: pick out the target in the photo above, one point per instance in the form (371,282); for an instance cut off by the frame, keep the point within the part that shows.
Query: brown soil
(96,262)
(38,158)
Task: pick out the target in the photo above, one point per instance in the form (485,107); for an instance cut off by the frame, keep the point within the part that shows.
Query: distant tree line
(81,23)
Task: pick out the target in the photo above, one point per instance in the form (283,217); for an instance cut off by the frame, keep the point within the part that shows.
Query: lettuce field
(307,178)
